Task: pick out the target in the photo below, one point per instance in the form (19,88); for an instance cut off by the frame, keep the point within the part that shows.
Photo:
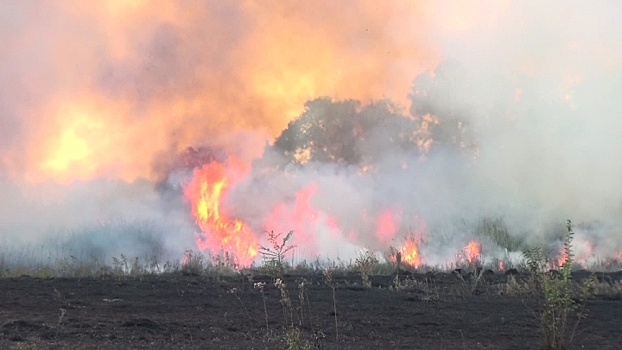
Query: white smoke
(536,85)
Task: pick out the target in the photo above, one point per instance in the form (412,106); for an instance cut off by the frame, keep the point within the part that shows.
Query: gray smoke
(521,113)
(538,142)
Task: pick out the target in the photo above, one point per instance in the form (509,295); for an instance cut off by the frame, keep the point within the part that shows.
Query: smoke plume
(476,111)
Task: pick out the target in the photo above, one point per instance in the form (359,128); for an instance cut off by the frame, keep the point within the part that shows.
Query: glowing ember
(206,192)
(472,251)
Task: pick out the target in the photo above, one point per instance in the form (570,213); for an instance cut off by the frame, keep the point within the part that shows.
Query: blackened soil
(438,311)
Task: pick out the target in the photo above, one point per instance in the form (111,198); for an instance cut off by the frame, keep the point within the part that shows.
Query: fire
(410,249)
(562,258)
(584,251)
(307,222)
(386,225)
(472,250)
(153,74)
(206,191)
(410,253)
(72,148)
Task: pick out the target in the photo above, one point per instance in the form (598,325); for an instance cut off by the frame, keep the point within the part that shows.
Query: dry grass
(608,289)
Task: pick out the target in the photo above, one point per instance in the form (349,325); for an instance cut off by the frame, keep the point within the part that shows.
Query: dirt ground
(438,311)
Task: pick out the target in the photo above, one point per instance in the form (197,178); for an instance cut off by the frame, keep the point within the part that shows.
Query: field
(433,310)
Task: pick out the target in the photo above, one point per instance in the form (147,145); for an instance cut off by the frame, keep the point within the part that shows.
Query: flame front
(206,192)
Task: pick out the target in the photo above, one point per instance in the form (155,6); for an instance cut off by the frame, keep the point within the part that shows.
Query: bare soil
(188,312)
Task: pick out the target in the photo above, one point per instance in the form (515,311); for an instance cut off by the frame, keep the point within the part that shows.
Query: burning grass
(298,288)
(39,262)
(470,275)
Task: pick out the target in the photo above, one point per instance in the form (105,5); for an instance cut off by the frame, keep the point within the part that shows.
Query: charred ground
(173,311)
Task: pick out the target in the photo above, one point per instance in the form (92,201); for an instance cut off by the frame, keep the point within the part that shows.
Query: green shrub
(561,302)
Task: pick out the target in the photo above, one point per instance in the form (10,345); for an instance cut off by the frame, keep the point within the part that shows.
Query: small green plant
(274,258)
(561,308)
(365,262)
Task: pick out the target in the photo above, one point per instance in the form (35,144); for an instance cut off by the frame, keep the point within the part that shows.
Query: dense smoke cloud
(117,89)
(100,89)
(523,124)
(498,109)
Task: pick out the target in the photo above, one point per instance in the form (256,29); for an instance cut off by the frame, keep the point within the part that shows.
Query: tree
(344,132)
(439,103)
(348,133)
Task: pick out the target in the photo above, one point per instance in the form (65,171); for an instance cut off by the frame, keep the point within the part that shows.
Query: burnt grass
(438,311)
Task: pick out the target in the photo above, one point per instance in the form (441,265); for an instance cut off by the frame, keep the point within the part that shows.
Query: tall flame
(206,192)
(410,253)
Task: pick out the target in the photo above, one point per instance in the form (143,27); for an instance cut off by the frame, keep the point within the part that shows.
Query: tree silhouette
(344,132)
(348,133)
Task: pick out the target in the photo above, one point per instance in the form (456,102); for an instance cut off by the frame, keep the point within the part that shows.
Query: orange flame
(95,113)
(410,253)
(472,250)
(562,258)
(206,192)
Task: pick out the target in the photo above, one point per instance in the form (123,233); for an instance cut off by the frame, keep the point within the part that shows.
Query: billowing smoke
(93,90)
(441,118)
(518,125)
